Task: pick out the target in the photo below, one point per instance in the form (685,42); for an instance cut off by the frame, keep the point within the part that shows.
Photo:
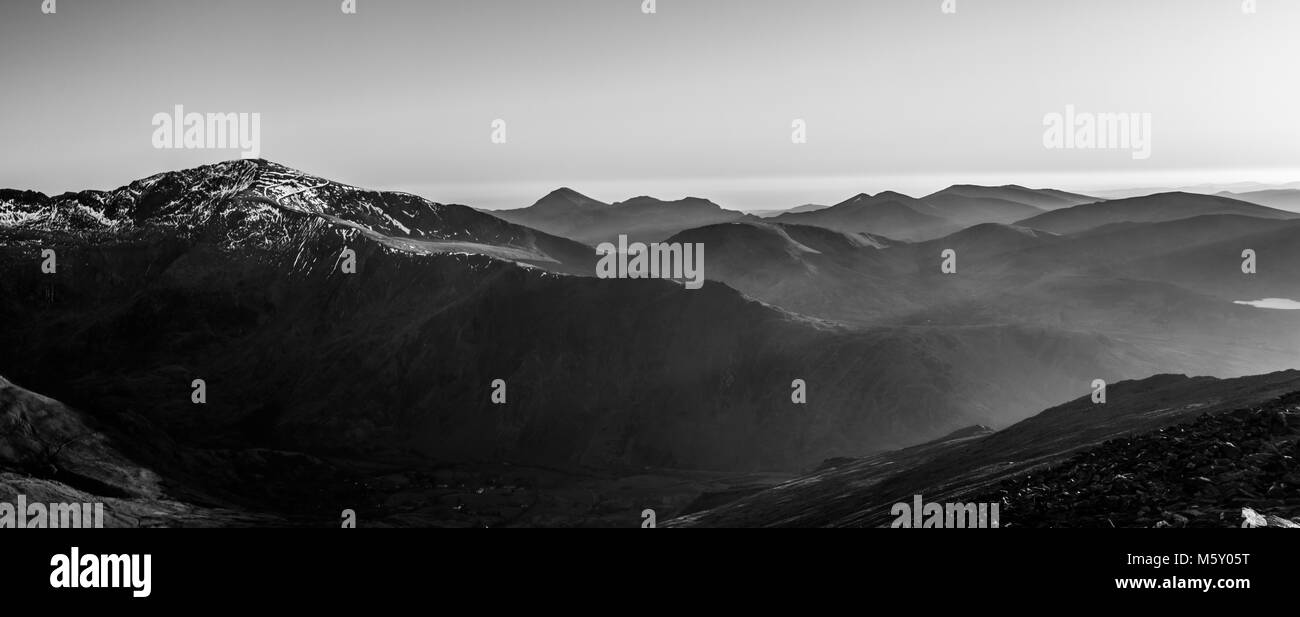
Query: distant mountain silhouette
(888,214)
(566,200)
(1148,209)
(796,209)
(966,204)
(899,216)
(572,215)
(1282,199)
(1042,199)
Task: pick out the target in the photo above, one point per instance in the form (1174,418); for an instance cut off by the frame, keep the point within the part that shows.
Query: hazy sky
(696,99)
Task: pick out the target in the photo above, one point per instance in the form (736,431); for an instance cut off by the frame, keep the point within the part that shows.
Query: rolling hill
(967,204)
(889,214)
(1042,199)
(1281,199)
(1149,209)
(567,213)
(899,216)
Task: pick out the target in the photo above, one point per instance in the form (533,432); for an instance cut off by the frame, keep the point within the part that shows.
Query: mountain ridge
(254,194)
(1159,207)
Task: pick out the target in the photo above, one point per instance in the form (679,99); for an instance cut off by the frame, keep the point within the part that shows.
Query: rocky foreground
(1198,474)
(1166,451)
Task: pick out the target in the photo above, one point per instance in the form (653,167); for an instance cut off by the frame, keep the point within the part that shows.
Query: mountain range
(317,377)
(568,213)
(903,217)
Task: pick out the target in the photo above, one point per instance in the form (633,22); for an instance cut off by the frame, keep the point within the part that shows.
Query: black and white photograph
(450,264)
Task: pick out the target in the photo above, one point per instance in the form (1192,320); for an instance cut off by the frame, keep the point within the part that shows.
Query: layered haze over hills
(305,257)
(568,213)
(1149,209)
(1281,199)
(907,218)
(336,383)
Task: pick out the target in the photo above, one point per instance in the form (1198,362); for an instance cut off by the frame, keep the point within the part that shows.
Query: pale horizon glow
(696,100)
(1284,304)
(736,193)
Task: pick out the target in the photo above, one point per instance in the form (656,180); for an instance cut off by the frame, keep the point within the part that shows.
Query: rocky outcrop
(1199,474)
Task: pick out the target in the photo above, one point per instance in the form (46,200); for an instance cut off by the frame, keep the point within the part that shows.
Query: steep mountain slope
(567,213)
(50,453)
(42,436)
(861,492)
(1150,209)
